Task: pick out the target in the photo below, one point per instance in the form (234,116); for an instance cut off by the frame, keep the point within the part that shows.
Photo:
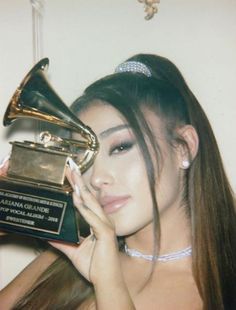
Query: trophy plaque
(35,196)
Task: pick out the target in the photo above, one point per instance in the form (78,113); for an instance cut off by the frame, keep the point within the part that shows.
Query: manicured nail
(73,165)
(77,189)
(4,160)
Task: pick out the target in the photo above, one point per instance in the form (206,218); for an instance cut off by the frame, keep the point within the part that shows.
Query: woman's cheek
(134,177)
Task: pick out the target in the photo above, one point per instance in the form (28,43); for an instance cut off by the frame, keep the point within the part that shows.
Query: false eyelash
(121,147)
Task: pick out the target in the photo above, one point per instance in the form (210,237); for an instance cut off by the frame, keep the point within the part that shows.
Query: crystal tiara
(133,66)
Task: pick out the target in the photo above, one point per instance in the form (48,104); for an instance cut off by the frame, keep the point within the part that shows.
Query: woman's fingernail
(73,165)
(4,160)
(77,189)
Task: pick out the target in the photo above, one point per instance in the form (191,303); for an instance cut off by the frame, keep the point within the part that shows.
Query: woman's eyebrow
(109,131)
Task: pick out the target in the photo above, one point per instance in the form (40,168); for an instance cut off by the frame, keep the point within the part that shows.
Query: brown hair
(208,197)
(59,287)
(211,200)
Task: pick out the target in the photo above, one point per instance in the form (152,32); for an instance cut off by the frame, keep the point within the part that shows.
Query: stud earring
(185,164)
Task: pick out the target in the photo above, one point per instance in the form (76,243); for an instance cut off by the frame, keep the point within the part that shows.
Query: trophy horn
(35,98)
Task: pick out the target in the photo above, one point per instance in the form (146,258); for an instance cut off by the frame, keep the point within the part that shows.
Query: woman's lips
(112,204)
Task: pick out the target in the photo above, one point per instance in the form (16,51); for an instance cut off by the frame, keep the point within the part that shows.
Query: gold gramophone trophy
(35,196)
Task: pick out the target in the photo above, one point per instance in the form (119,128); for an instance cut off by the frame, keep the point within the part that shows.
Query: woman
(157,199)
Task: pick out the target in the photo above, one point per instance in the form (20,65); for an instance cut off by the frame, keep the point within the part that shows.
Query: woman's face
(118,176)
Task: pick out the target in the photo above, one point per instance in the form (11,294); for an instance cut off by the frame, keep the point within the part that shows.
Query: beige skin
(118,279)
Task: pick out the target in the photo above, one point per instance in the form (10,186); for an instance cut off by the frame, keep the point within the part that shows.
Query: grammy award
(35,196)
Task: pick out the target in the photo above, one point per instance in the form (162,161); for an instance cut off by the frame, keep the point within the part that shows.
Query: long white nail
(73,165)
(4,160)
(76,187)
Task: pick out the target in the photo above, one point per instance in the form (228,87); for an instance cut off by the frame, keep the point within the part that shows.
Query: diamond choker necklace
(162,258)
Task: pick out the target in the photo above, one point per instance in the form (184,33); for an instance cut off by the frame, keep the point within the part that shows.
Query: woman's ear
(187,153)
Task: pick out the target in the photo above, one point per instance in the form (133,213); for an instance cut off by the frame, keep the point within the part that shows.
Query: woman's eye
(121,148)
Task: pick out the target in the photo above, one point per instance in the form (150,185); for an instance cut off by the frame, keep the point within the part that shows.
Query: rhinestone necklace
(162,258)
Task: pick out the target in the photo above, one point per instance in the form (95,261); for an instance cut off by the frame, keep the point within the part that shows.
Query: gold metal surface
(34,163)
(36,99)
(35,196)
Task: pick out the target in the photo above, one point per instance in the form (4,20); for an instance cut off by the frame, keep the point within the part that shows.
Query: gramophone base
(32,210)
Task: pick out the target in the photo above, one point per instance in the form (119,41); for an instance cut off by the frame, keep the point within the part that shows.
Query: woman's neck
(175,234)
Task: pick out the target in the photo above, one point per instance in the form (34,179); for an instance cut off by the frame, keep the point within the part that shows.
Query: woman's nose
(100,176)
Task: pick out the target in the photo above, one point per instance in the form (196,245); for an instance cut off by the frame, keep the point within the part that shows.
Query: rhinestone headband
(133,66)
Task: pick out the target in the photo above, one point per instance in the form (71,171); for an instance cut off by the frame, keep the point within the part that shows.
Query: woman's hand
(4,165)
(97,256)
(3,171)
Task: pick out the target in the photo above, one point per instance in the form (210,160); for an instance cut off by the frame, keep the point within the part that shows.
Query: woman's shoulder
(25,279)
